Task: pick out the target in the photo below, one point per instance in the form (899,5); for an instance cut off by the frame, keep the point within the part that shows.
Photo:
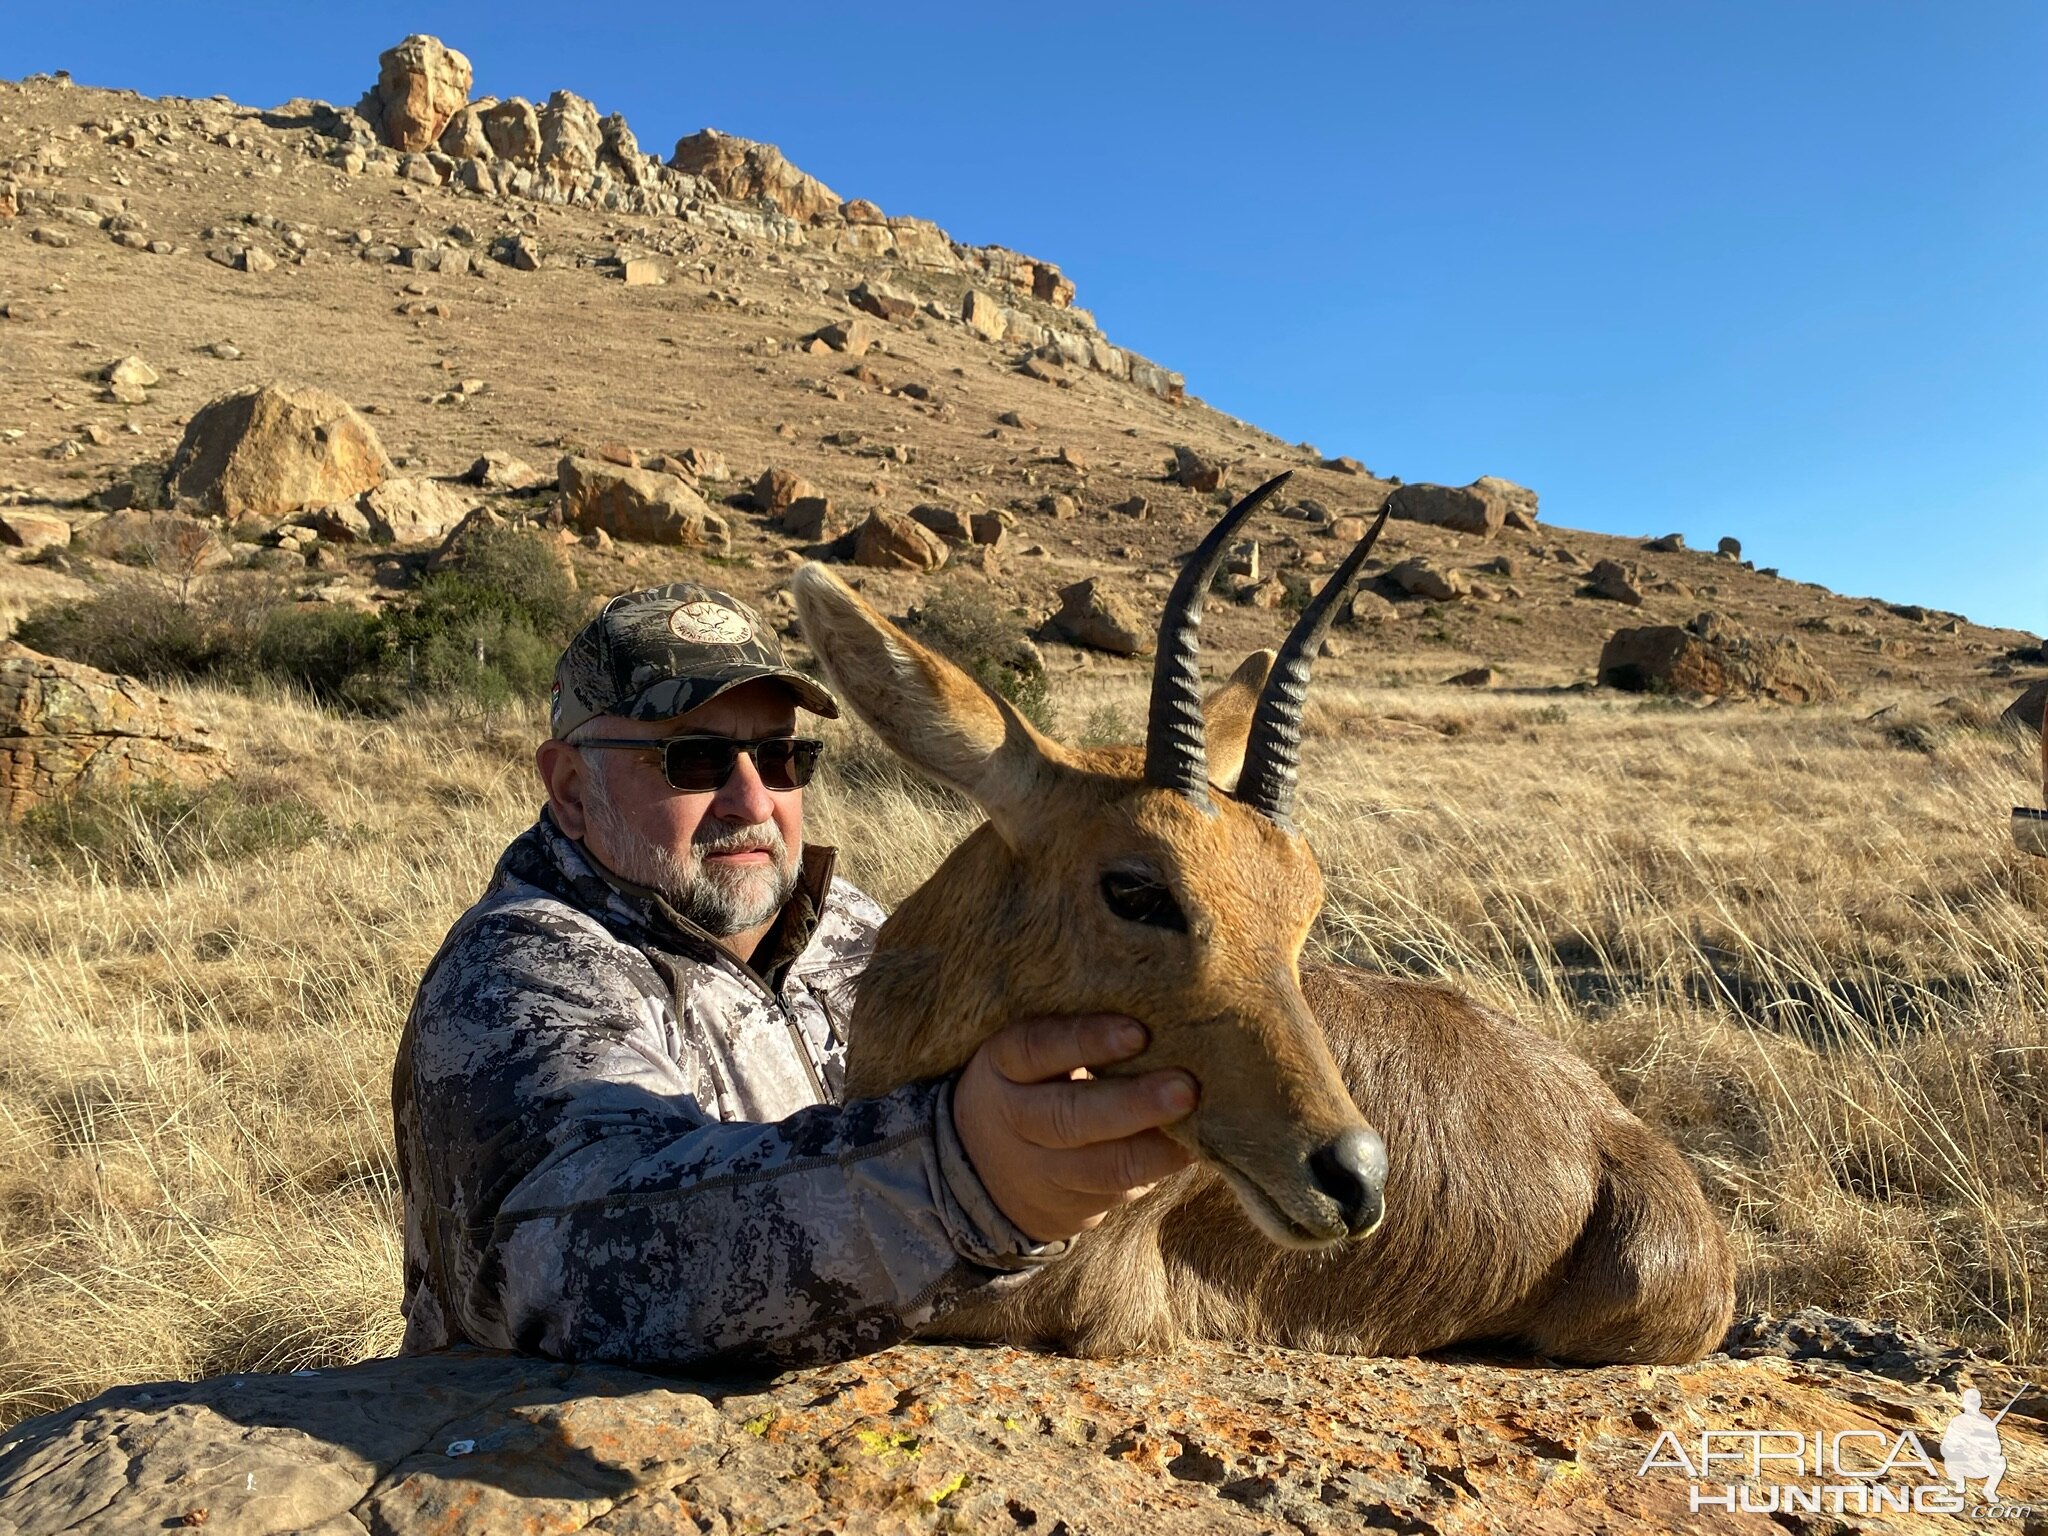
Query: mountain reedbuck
(1513,1199)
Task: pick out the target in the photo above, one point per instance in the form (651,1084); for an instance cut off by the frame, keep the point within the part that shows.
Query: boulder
(1617,580)
(986,529)
(638,505)
(882,302)
(891,541)
(268,451)
(497,471)
(131,372)
(748,172)
(570,138)
(1421,576)
(1343,464)
(812,519)
(512,128)
(1368,607)
(854,336)
(1475,677)
(1715,657)
(1666,544)
(1197,473)
(1092,615)
(65,726)
(705,464)
(465,137)
(1729,549)
(984,316)
(413,510)
(1468,508)
(421,84)
(1518,500)
(342,523)
(946,522)
(33,532)
(779,488)
(642,272)
(2024,713)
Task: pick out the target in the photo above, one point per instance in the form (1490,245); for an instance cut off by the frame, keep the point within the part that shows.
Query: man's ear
(561,770)
(927,710)
(1227,718)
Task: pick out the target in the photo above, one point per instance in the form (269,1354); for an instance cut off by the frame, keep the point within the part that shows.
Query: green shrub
(159,832)
(135,628)
(491,625)
(989,643)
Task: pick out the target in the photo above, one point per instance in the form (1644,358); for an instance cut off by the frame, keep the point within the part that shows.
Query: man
(615,1099)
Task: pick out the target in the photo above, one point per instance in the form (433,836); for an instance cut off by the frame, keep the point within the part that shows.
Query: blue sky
(1776,270)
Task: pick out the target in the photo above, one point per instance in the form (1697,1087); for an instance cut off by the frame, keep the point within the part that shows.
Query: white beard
(721,900)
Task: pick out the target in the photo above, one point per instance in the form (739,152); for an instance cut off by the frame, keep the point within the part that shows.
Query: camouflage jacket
(617,1142)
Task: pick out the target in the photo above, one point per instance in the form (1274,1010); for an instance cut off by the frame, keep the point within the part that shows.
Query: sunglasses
(700,764)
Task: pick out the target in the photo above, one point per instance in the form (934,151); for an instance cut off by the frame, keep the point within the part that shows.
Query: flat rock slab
(927,1438)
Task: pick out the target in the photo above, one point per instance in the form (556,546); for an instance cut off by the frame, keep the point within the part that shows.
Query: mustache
(727,837)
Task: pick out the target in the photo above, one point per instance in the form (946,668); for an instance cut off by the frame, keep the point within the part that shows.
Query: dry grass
(1799,943)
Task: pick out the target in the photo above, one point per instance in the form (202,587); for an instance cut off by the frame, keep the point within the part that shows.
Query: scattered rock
(1345,465)
(1197,473)
(421,84)
(131,371)
(1518,501)
(1020,422)
(854,336)
(519,252)
(1468,509)
(497,471)
(945,522)
(891,541)
(270,450)
(1136,508)
(1060,506)
(642,272)
(1667,544)
(882,302)
(65,726)
(413,510)
(812,519)
(1092,615)
(986,529)
(778,488)
(638,505)
(1369,607)
(33,532)
(1420,576)
(1715,657)
(1476,677)
(1072,458)
(1618,581)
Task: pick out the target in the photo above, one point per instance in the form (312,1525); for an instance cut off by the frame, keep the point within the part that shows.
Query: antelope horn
(1175,756)
(1272,756)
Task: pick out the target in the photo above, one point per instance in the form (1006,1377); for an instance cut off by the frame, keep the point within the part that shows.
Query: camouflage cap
(660,653)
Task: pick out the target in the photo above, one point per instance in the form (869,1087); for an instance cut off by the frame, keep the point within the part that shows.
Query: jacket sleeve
(579,1203)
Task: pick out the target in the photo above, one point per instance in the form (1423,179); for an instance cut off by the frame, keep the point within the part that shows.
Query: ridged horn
(1175,755)
(1272,757)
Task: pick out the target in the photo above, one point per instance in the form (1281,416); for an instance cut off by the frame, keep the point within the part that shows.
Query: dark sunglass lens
(697,763)
(787,764)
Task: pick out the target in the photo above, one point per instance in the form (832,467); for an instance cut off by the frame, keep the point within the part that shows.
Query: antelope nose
(1352,1170)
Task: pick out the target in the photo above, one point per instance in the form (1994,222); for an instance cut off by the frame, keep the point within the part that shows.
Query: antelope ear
(1227,718)
(926,709)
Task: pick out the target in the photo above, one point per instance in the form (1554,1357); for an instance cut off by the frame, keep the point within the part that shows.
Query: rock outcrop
(1092,614)
(749,172)
(271,450)
(421,84)
(1714,657)
(936,1438)
(1483,507)
(65,726)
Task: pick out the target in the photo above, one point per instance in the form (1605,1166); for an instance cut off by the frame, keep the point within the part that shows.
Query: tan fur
(1523,1203)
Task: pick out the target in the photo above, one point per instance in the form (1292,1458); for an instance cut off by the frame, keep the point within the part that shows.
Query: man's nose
(743,797)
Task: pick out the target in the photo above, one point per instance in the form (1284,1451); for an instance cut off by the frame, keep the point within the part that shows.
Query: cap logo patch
(703,623)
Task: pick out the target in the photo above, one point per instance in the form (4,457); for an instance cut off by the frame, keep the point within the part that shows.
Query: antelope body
(1515,1201)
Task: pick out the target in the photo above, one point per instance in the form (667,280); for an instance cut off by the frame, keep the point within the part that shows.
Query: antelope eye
(1141,899)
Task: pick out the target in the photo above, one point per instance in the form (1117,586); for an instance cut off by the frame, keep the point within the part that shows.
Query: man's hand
(1055,1152)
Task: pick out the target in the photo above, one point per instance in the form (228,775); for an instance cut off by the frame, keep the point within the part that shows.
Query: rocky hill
(480,277)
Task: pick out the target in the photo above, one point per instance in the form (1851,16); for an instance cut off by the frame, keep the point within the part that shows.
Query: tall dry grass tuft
(1796,942)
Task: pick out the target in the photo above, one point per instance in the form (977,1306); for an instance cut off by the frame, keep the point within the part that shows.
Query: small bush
(1108,726)
(990,644)
(160,832)
(492,625)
